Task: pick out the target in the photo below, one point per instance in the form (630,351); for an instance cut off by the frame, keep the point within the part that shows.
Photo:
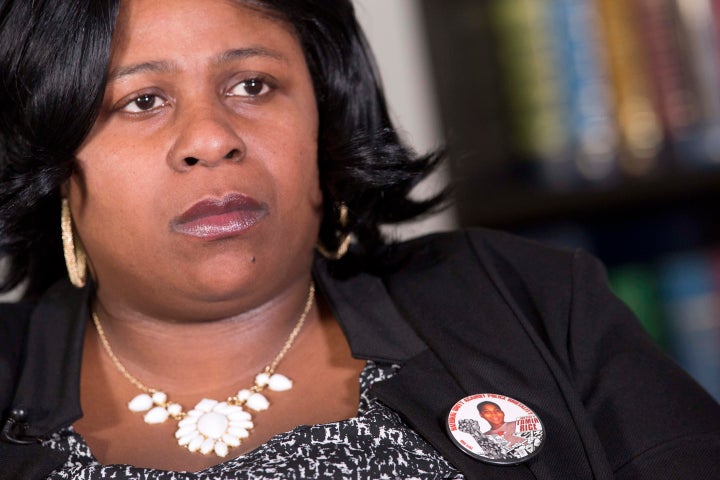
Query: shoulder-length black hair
(53,69)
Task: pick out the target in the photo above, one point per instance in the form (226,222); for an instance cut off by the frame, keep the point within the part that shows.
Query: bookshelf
(595,123)
(517,205)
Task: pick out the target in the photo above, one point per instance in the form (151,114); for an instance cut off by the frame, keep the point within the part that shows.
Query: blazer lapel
(423,392)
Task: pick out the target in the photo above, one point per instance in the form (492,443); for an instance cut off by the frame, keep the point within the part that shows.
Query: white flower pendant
(213,426)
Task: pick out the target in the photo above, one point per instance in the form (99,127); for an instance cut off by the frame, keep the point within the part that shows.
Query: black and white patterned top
(374,445)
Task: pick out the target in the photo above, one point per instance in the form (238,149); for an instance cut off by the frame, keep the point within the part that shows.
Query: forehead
(186,27)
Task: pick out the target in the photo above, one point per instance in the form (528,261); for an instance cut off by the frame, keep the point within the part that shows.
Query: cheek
(309,156)
(316,197)
(312,180)
(119,166)
(106,194)
(114,194)
(300,196)
(293,159)
(297,141)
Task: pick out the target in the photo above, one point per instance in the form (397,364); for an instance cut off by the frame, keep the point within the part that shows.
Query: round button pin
(495,429)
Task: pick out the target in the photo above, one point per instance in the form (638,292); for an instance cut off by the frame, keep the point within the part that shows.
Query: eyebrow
(145,67)
(242,53)
(227,56)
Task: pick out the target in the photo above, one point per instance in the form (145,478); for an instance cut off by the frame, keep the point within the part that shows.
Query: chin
(223,284)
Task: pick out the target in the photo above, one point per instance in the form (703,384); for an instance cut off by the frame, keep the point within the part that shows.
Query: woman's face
(198,184)
(493,415)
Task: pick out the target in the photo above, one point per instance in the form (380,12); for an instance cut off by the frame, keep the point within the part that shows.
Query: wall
(395,32)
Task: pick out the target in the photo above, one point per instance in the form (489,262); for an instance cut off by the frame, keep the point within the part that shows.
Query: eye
(251,87)
(143,103)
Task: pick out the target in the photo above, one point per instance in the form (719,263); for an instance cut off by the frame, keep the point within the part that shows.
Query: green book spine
(532,88)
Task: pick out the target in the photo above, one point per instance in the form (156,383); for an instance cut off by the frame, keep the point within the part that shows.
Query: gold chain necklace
(211,426)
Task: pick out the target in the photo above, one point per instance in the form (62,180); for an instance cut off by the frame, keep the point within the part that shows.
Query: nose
(206,136)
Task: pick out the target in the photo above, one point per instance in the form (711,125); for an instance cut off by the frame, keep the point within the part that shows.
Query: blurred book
(591,142)
(661,38)
(698,37)
(599,89)
(531,85)
(637,114)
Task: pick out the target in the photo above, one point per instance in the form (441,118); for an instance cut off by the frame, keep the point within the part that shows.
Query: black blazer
(463,313)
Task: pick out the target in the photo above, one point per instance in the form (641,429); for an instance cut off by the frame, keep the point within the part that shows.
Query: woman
(194,156)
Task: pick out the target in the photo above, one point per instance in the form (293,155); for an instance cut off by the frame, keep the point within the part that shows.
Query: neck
(195,357)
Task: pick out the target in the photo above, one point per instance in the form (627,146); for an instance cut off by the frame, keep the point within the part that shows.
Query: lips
(217,218)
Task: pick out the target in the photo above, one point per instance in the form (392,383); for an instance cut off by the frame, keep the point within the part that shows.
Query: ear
(75,184)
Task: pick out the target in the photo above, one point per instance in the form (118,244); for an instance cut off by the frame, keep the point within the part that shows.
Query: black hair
(482,404)
(54,58)
(53,61)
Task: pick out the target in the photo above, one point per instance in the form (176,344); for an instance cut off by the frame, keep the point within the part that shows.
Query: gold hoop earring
(75,258)
(344,243)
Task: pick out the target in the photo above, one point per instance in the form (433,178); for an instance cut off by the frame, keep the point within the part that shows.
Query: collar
(370,320)
(47,395)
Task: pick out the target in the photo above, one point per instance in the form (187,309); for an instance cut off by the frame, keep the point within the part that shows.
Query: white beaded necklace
(211,426)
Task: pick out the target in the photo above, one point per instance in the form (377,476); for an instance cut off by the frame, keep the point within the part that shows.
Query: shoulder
(499,242)
(14,320)
(538,281)
(500,253)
